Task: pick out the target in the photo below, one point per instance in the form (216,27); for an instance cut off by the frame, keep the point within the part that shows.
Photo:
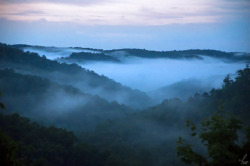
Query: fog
(49,103)
(55,52)
(141,113)
(151,74)
(160,78)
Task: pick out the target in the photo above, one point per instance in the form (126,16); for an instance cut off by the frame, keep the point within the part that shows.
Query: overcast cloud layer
(124,12)
(110,24)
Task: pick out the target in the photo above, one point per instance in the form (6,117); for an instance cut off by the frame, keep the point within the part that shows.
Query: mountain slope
(154,131)
(51,103)
(185,54)
(71,74)
(87,56)
(122,54)
(182,89)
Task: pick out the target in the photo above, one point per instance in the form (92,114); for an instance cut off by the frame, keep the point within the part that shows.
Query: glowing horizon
(124,12)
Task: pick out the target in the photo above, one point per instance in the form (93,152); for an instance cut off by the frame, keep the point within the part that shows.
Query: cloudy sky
(107,24)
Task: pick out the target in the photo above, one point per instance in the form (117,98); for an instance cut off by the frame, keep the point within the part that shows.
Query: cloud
(151,74)
(124,12)
(74,2)
(29,12)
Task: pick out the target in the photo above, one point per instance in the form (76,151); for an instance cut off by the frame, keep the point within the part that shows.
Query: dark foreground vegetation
(27,143)
(99,132)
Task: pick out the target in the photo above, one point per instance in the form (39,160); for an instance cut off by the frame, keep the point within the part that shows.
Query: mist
(134,107)
(50,103)
(151,74)
(160,78)
(55,52)
(124,83)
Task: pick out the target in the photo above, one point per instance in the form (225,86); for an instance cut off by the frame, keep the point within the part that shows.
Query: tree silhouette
(219,135)
(1,104)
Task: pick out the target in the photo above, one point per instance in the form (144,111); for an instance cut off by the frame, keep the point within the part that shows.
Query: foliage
(219,134)
(234,96)
(8,150)
(26,143)
(122,136)
(70,74)
(40,99)
(148,129)
(2,106)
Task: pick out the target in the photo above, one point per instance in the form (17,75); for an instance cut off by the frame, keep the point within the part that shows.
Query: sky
(112,24)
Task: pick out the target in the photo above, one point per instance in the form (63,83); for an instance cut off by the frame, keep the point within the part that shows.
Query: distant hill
(70,96)
(183,89)
(121,54)
(51,103)
(185,54)
(71,74)
(87,56)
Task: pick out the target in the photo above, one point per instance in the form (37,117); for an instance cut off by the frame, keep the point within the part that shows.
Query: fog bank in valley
(55,52)
(152,74)
(160,78)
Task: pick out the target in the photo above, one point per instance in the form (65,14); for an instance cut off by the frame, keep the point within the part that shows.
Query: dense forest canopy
(62,114)
(71,74)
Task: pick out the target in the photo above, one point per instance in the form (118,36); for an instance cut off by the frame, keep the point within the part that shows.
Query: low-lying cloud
(151,74)
(159,78)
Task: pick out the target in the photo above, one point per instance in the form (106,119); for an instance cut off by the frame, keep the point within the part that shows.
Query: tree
(8,150)
(218,134)
(1,104)
(227,81)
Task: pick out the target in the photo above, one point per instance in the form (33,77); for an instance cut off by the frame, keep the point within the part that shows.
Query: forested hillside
(119,54)
(87,56)
(71,74)
(50,103)
(124,83)
(154,132)
(186,54)
(96,109)
(25,143)
(141,138)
